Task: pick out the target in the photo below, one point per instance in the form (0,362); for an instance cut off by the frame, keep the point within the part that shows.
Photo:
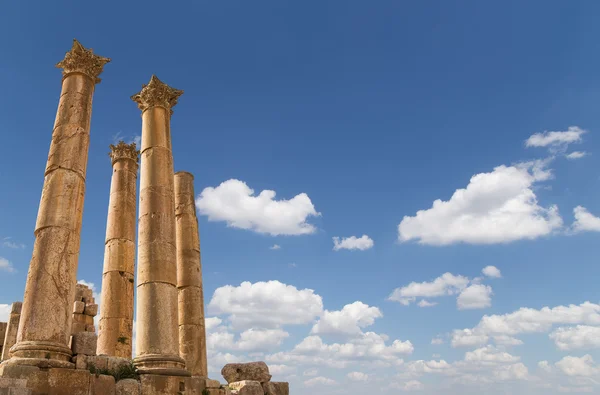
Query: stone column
(45,325)
(157,343)
(192,332)
(10,338)
(116,315)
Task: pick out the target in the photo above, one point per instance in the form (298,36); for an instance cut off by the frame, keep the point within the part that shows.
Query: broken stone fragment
(252,371)
(78,307)
(128,387)
(84,343)
(91,310)
(212,383)
(247,387)
(276,388)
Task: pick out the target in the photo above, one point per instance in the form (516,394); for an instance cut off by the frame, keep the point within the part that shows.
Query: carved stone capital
(82,60)
(124,151)
(157,93)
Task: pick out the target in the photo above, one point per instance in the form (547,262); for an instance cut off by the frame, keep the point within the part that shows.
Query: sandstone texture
(84,343)
(252,371)
(128,387)
(246,387)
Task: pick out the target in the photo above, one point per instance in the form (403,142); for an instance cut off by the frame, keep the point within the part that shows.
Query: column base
(42,354)
(160,364)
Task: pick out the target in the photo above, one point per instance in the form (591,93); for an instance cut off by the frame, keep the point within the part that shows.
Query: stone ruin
(50,346)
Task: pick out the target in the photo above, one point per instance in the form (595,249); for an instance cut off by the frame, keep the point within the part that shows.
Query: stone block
(98,362)
(116,363)
(276,388)
(78,307)
(68,381)
(247,387)
(91,310)
(168,385)
(90,328)
(20,391)
(102,385)
(77,327)
(128,387)
(80,362)
(208,383)
(12,383)
(252,371)
(84,343)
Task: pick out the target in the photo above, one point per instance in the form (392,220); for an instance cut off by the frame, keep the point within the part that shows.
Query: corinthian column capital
(124,151)
(84,61)
(157,94)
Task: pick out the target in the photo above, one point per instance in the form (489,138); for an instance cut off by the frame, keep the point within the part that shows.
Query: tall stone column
(192,332)
(10,338)
(116,315)
(45,325)
(157,343)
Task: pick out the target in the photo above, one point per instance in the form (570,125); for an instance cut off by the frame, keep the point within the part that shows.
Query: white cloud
(347,321)
(8,243)
(261,339)
(504,340)
(353,243)
(555,140)
(266,304)
(576,155)
(575,366)
(576,337)
(6,266)
(446,284)
(319,381)
(436,341)
(275,247)
(368,347)
(492,272)
(496,207)
(358,376)
(280,370)
(211,323)
(585,221)
(476,296)
(310,372)
(4,313)
(412,385)
(490,354)
(425,303)
(526,320)
(234,202)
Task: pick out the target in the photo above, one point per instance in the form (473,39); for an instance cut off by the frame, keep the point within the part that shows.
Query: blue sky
(365,113)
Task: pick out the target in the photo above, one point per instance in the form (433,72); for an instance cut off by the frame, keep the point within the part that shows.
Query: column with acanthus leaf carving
(157,342)
(45,325)
(116,316)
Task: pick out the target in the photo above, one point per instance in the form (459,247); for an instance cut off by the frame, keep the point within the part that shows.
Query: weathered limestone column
(192,332)
(116,316)
(10,338)
(157,344)
(45,325)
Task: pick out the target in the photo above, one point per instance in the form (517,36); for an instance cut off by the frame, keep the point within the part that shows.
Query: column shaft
(157,343)
(116,315)
(10,338)
(192,332)
(45,325)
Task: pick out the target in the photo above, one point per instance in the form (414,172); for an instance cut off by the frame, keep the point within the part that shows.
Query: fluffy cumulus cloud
(265,304)
(476,296)
(576,337)
(528,320)
(250,340)
(585,221)
(348,321)
(496,207)
(6,265)
(578,366)
(446,284)
(353,243)
(555,140)
(235,203)
(492,272)
(471,293)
